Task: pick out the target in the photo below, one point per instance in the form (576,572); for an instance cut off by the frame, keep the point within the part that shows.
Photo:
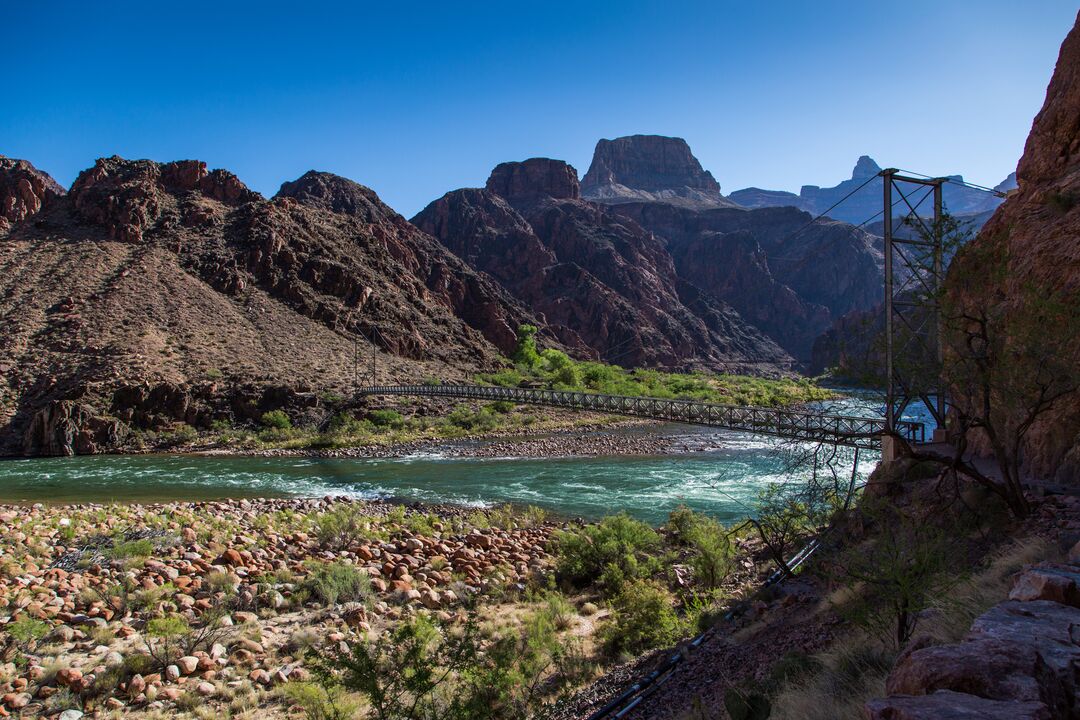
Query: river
(721,475)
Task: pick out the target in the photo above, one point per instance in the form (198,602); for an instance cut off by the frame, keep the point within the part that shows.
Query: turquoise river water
(721,474)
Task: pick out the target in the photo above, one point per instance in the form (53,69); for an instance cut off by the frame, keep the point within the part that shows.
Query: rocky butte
(650,168)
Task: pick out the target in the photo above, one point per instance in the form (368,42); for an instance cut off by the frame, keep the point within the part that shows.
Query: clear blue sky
(414,99)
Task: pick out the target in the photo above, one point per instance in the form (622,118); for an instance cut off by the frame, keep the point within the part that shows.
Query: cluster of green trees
(555,368)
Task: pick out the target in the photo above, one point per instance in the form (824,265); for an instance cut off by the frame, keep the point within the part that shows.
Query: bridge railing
(859,432)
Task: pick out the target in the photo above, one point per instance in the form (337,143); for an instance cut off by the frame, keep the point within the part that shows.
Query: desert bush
(617,549)
(416,671)
(473,420)
(26,631)
(171,637)
(421,524)
(276,420)
(318,702)
(642,618)
(896,575)
(342,526)
(130,549)
(386,419)
(181,434)
(344,423)
(338,582)
(713,551)
(556,609)
(680,524)
(836,683)
(63,699)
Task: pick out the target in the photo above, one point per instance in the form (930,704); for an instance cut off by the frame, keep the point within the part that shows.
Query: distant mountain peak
(865,167)
(650,168)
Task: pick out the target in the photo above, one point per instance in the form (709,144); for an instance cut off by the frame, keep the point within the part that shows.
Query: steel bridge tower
(914,271)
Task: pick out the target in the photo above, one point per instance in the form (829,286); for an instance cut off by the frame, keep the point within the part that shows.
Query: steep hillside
(1028,252)
(600,281)
(154,293)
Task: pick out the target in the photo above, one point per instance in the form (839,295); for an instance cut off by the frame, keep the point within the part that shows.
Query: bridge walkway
(793,424)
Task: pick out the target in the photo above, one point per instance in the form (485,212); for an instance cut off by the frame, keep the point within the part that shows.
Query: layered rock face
(644,168)
(600,281)
(156,293)
(1028,252)
(790,279)
(865,203)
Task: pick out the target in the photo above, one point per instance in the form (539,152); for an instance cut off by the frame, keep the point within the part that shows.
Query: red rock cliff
(1031,246)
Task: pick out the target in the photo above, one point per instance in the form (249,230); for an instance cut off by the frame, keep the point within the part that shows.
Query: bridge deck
(782,422)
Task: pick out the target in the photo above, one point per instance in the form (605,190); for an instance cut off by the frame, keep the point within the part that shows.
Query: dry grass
(855,668)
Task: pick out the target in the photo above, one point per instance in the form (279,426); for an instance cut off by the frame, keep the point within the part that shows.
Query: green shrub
(712,550)
(318,702)
(396,515)
(26,631)
(345,424)
(567,376)
(681,523)
(386,419)
(501,406)
(526,353)
(338,582)
(276,420)
(468,419)
(181,434)
(615,550)
(331,399)
(131,549)
(414,671)
(420,524)
(167,639)
(342,526)
(642,618)
(504,378)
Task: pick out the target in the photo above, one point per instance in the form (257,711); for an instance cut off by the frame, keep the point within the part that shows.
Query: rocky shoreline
(601,439)
(81,586)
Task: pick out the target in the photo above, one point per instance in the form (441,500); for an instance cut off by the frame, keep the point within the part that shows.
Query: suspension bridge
(802,425)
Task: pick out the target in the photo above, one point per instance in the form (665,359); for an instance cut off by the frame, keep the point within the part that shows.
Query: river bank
(600,439)
(205,608)
(83,583)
